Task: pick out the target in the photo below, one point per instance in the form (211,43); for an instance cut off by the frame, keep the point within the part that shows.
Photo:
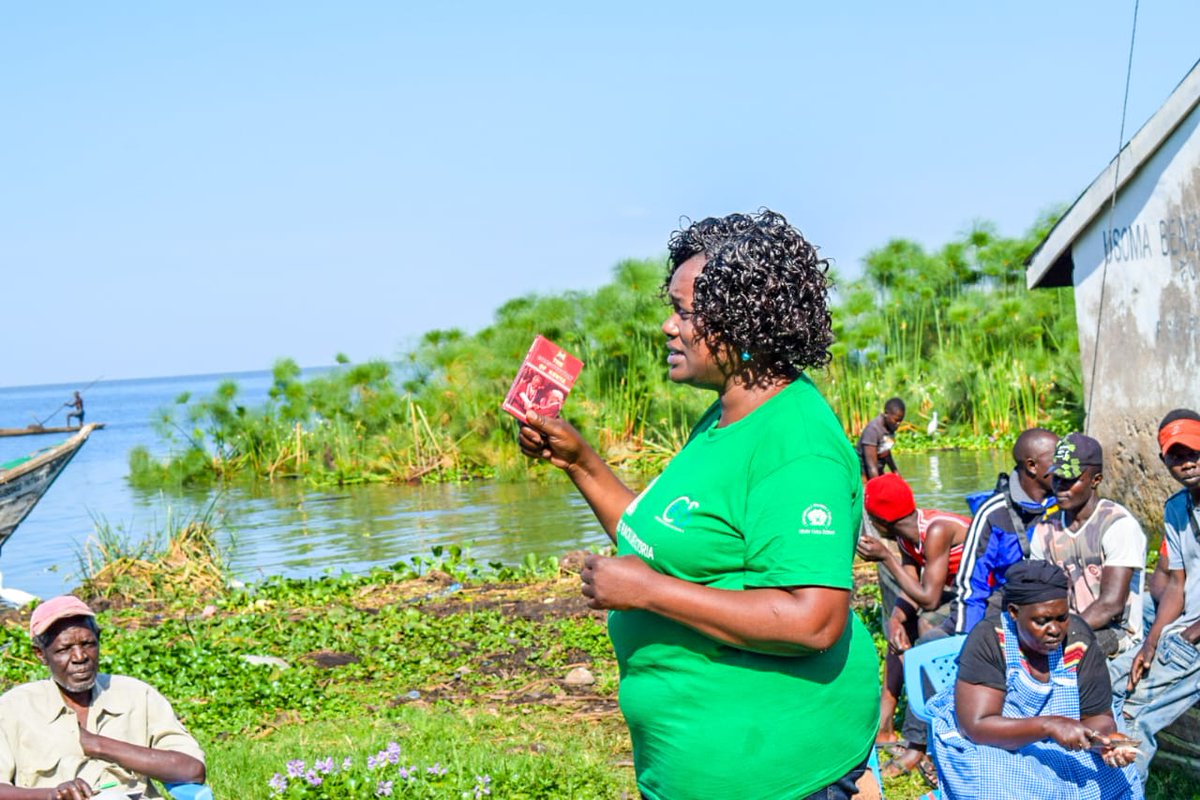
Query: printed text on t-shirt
(630,535)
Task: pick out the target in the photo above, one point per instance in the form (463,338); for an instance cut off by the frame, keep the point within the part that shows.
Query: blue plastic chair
(189,791)
(873,763)
(934,663)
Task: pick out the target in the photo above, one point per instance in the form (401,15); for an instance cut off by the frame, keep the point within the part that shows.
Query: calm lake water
(286,529)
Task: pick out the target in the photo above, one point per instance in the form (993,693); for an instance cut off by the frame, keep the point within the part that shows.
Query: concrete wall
(1148,352)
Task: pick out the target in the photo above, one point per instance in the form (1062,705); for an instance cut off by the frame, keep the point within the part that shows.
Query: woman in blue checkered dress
(1030,714)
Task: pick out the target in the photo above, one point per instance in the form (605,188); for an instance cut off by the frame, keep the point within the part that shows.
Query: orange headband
(1181,431)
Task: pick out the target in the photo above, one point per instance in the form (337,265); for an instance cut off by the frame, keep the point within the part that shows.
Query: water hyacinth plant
(384,774)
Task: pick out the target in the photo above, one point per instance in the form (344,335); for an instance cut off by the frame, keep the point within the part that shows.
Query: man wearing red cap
(922,579)
(1164,673)
(63,738)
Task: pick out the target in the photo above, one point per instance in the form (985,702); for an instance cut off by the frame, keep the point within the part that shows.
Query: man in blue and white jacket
(999,532)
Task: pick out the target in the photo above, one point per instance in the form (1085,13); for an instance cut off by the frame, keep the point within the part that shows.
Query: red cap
(51,611)
(889,497)
(1181,431)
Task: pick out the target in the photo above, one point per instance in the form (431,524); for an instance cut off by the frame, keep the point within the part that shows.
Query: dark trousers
(844,788)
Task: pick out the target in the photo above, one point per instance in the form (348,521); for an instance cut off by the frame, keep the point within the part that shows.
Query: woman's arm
(1103,724)
(979,710)
(556,440)
(790,621)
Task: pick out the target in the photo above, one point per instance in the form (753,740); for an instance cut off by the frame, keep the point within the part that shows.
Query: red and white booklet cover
(544,380)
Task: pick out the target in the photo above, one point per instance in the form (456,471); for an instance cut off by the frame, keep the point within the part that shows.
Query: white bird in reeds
(931,428)
(15,597)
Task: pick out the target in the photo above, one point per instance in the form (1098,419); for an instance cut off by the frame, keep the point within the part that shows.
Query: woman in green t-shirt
(743,671)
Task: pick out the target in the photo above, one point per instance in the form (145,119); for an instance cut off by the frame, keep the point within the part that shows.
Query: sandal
(894,748)
(928,772)
(901,763)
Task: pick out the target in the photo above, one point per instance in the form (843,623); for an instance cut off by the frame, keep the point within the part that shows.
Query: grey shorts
(940,617)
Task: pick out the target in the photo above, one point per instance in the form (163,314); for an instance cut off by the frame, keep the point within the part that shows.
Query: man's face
(1074,493)
(1184,465)
(884,528)
(73,656)
(892,419)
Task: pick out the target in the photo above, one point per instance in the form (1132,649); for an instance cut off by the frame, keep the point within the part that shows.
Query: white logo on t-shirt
(632,507)
(677,513)
(817,518)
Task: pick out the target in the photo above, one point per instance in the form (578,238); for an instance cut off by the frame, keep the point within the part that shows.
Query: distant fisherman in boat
(83,729)
(76,404)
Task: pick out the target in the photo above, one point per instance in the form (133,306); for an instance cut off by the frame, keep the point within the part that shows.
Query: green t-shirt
(772,500)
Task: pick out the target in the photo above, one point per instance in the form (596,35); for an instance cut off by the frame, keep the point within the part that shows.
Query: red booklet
(543,381)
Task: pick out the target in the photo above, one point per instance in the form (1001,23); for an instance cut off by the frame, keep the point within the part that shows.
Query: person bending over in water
(876,440)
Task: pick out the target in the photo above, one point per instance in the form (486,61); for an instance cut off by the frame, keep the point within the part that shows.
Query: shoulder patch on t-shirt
(1073,654)
(818,519)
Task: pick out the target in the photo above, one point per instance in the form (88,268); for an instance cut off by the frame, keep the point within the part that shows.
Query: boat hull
(24,482)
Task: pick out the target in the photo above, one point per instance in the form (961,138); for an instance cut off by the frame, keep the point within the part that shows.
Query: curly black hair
(763,291)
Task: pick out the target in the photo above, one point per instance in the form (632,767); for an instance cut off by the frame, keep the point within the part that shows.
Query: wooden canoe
(23,481)
(36,430)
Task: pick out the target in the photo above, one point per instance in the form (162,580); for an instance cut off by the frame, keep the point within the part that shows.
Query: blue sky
(194,188)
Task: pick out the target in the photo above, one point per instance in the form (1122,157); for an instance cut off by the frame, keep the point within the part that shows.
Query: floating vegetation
(182,563)
(953,331)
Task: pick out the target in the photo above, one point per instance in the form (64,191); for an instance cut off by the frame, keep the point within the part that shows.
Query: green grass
(459,664)
(530,753)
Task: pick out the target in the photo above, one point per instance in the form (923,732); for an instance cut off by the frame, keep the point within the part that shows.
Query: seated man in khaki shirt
(69,737)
